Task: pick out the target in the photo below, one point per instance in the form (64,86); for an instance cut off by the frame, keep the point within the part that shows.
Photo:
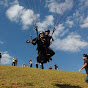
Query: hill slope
(18,77)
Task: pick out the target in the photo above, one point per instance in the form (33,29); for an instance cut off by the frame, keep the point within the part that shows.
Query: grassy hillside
(21,77)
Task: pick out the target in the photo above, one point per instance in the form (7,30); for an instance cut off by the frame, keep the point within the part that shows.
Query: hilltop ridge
(22,77)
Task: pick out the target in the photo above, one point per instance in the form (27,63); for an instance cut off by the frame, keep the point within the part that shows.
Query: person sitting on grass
(85,58)
(50,67)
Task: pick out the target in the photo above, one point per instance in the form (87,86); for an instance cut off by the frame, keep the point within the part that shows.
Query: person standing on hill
(85,58)
(14,63)
(36,64)
(56,67)
(0,57)
(30,62)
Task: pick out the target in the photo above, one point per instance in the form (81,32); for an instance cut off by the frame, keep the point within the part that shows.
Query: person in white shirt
(13,62)
(30,62)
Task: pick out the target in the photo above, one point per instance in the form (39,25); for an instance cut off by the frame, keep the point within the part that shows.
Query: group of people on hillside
(85,58)
(14,61)
(37,65)
(43,41)
(30,63)
(25,65)
(56,67)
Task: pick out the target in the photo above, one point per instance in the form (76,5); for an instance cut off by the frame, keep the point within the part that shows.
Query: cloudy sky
(69,17)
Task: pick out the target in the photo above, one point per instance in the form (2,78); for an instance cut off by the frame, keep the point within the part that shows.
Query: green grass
(21,77)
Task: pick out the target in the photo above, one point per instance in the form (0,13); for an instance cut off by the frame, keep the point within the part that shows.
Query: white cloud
(85,23)
(71,43)
(64,32)
(27,18)
(14,12)
(80,13)
(60,7)
(59,30)
(83,3)
(86,3)
(70,23)
(15,2)
(76,14)
(17,14)
(76,19)
(1,42)
(6,58)
(4,3)
(49,21)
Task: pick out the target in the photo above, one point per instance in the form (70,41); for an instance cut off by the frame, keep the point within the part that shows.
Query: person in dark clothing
(30,62)
(16,61)
(48,38)
(41,47)
(0,55)
(50,67)
(36,64)
(56,67)
(43,42)
(85,58)
(42,66)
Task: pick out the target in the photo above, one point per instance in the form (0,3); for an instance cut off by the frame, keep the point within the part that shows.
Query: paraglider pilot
(48,38)
(43,42)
